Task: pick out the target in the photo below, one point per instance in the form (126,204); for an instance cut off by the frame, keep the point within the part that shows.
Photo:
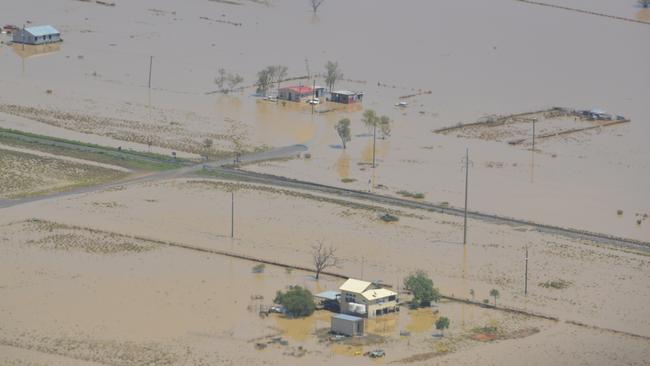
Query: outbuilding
(347,325)
(41,34)
(346,96)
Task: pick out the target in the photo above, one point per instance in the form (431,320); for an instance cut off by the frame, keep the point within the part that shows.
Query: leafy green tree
(442,323)
(343,130)
(384,126)
(297,300)
(370,119)
(421,286)
(495,294)
(333,74)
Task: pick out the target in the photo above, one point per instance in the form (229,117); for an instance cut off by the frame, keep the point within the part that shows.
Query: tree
(384,126)
(233,81)
(421,286)
(494,293)
(343,129)
(226,81)
(442,323)
(315,4)
(333,75)
(324,257)
(644,3)
(297,301)
(264,81)
(370,119)
(278,73)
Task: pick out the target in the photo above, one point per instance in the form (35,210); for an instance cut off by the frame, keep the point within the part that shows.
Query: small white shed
(347,324)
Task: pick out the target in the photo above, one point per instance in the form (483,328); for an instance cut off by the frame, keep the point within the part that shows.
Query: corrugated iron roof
(42,30)
(329,295)
(379,293)
(347,317)
(355,286)
(299,89)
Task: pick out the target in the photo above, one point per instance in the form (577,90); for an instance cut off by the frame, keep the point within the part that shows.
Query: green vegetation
(495,294)
(343,130)
(259,268)
(297,300)
(131,159)
(389,218)
(348,180)
(421,286)
(408,194)
(442,323)
(372,120)
(556,284)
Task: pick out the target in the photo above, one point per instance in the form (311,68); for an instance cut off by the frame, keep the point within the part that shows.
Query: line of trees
(227,81)
(270,75)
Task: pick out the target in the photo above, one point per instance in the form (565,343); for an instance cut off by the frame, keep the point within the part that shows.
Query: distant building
(347,325)
(364,298)
(346,97)
(298,93)
(37,35)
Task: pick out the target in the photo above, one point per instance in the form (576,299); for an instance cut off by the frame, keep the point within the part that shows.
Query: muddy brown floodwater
(87,295)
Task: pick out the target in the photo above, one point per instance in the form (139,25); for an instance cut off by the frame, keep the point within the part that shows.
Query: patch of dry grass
(23,175)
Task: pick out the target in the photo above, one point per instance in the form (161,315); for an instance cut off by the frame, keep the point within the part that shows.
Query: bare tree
(324,257)
(315,4)
(227,81)
(334,74)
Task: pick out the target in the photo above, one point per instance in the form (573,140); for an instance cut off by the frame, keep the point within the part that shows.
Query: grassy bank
(130,159)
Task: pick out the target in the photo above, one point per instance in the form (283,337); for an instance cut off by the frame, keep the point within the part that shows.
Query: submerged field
(102,298)
(28,173)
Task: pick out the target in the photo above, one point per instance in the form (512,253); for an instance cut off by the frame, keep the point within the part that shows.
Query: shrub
(297,300)
(259,268)
(421,286)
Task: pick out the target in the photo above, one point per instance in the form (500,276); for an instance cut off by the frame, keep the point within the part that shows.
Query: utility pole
(526,274)
(534,120)
(313,97)
(374,142)
(466,185)
(150,65)
(232,214)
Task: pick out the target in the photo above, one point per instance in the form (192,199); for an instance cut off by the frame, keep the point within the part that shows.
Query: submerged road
(278,153)
(237,174)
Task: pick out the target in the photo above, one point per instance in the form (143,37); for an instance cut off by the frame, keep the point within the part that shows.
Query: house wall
(22,36)
(371,306)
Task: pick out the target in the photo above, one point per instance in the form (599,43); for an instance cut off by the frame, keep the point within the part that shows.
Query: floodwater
(476,58)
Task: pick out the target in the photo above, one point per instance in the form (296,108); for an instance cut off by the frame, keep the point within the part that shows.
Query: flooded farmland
(113,261)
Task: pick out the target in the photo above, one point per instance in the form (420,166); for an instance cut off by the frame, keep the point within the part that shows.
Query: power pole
(526,274)
(232,214)
(534,120)
(466,185)
(374,142)
(313,97)
(150,65)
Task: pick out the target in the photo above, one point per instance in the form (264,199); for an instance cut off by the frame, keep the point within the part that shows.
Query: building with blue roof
(41,34)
